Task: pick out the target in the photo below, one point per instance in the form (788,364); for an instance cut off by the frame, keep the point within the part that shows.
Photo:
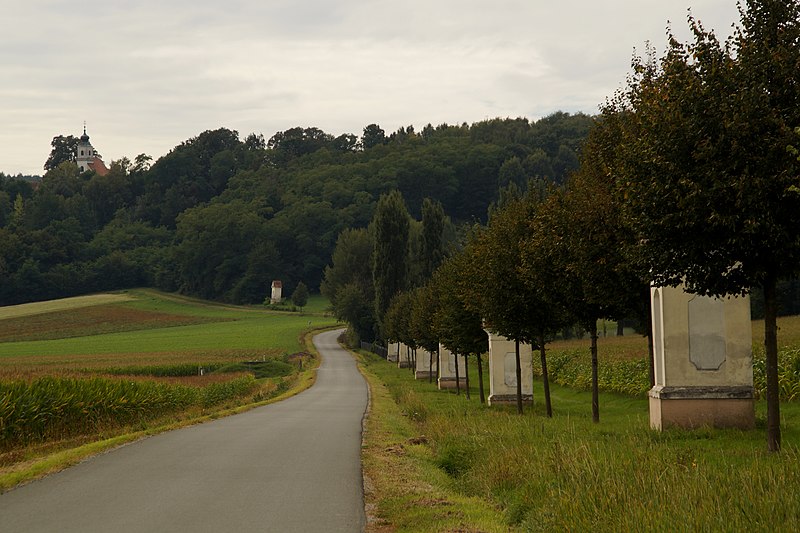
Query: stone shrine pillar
(275,295)
(393,352)
(424,370)
(447,369)
(404,359)
(703,360)
(503,371)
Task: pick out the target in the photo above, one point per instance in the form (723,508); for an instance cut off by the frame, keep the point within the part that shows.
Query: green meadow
(163,326)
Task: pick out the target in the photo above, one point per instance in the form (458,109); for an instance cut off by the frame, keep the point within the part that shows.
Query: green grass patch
(404,491)
(567,473)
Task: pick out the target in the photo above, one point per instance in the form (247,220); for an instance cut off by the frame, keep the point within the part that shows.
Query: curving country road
(291,466)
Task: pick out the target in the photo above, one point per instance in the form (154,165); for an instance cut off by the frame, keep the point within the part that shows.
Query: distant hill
(220,217)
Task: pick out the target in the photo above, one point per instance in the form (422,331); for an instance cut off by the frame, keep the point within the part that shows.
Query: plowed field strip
(36,308)
(96,320)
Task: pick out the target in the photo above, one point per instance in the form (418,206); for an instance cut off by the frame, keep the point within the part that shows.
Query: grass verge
(404,490)
(493,470)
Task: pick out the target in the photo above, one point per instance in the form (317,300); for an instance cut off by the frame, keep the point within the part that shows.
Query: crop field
(147,328)
(623,366)
(76,370)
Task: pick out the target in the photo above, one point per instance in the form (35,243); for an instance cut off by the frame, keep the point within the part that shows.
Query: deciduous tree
(708,179)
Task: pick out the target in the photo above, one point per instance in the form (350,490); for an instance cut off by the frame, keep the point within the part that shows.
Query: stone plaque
(707,348)
(510,370)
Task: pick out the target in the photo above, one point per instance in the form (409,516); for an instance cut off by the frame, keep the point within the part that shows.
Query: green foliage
(300,295)
(64,149)
(788,374)
(390,255)
(269,368)
(177,370)
(348,282)
(288,199)
(703,166)
(572,368)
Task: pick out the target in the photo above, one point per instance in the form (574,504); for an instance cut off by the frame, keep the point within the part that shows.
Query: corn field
(55,407)
(572,368)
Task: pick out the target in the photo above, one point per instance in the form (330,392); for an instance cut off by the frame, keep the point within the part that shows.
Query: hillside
(220,217)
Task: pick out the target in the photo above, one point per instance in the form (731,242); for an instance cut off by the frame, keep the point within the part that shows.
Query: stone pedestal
(424,369)
(447,369)
(404,359)
(703,361)
(393,352)
(503,371)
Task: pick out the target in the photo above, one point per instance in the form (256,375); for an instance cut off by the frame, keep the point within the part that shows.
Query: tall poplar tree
(390,255)
(433,220)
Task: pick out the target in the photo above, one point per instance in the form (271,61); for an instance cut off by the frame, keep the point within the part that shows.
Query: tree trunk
(458,381)
(595,393)
(480,379)
(771,352)
(519,378)
(430,367)
(466,375)
(545,377)
(620,329)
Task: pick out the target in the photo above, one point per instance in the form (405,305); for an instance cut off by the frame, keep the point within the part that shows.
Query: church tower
(85,155)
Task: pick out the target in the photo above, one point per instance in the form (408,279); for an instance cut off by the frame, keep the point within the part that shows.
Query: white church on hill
(87,157)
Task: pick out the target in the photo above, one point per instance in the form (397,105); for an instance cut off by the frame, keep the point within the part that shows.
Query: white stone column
(503,371)
(392,352)
(404,359)
(447,369)
(423,369)
(703,360)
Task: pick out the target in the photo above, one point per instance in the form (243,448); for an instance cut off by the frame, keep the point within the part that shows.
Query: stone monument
(275,296)
(424,368)
(503,371)
(393,352)
(447,369)
(404,357)
(703,360)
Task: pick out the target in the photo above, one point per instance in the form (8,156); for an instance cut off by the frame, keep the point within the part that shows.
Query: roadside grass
(57,395)
(569,474)
(403,490)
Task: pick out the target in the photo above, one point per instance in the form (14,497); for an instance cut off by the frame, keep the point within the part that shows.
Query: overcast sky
(146,75)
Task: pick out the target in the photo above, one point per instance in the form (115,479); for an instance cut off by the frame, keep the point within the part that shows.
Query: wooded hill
(221,217)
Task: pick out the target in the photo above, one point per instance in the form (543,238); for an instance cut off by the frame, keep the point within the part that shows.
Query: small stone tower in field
(275,297)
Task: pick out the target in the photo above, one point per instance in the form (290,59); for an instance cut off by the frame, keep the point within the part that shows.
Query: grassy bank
(566,473)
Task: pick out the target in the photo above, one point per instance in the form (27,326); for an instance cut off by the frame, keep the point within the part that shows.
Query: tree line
(220,217)
(689,176)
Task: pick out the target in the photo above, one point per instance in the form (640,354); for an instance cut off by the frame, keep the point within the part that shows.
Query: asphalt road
(291,466)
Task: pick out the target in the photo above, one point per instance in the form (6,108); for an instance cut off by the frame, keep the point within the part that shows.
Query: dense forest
(220,217)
